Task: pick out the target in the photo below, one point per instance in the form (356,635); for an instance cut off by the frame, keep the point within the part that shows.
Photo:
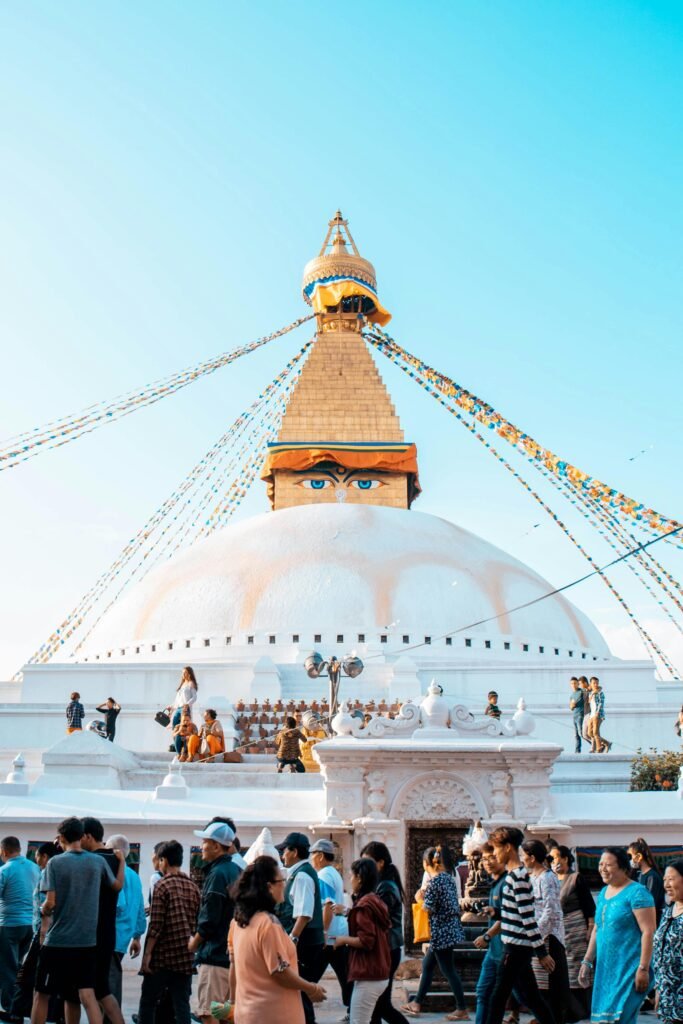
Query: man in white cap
(210,941)
(323,856)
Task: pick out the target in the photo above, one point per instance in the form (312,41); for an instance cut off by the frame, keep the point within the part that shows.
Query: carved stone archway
(437,796)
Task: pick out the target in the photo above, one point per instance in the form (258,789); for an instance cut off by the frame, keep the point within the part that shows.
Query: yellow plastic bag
(421,932)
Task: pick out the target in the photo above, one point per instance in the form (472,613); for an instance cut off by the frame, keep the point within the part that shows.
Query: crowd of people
(259,936)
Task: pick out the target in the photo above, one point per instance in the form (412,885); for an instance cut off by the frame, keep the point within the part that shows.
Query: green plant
(655,770)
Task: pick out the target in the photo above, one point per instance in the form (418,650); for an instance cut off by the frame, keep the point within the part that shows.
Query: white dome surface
(333,569)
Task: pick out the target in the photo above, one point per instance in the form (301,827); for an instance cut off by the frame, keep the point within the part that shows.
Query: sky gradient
(513,171)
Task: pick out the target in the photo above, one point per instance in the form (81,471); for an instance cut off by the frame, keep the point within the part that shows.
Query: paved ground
(330,1011)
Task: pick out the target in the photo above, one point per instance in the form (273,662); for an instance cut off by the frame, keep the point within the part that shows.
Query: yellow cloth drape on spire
(330,292)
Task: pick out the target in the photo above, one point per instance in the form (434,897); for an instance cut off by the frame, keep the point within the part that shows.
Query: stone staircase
(255,772)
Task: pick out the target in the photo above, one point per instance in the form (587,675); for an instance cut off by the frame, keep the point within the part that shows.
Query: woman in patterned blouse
(667,958)
(442,905)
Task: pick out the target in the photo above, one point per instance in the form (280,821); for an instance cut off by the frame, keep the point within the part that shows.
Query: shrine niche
(420,835)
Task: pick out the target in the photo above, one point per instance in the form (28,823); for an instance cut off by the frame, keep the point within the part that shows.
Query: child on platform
(75,713)
(492,709)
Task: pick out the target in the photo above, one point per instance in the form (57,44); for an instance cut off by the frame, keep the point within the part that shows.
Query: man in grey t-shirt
(66,964)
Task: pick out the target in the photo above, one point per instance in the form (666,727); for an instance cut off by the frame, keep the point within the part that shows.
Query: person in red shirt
(368,941)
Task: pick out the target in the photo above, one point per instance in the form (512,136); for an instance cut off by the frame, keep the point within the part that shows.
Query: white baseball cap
(219,832)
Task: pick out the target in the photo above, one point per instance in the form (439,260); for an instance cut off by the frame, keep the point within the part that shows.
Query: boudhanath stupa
(347,561)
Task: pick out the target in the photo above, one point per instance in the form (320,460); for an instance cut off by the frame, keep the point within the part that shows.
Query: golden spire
(341,285)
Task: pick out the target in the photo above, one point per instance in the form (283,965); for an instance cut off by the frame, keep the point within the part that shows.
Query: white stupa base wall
(640,710)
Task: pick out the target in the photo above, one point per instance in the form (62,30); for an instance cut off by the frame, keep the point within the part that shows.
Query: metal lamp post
(350,665)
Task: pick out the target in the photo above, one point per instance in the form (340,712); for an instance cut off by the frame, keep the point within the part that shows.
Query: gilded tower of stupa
(341,439)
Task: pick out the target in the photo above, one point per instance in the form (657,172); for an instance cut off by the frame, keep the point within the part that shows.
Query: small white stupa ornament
(523,720)
(174,786)
(263,846)
(435,714)
(343,722)
(16,783)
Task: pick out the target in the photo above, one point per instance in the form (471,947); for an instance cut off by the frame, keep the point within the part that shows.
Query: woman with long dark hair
(264,980)
(186,693)
(390,890)
(578,908)
(643,861)
(442,905)
(368,941)
(185,696)
(618,958)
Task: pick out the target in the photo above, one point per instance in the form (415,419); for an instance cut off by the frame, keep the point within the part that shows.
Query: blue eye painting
(366,485)
(315,485)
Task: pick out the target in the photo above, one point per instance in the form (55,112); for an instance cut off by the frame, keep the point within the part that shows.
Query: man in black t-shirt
(110,709)
(93,836)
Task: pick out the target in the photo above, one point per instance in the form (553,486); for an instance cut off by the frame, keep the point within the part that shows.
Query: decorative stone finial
(173,787)
(16,783)
(17,774)
(523,720)
(342,723)
(434,713)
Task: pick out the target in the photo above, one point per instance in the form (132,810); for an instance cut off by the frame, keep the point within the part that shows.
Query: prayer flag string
(181,511)
(619,541)
(489,417)
(25,446)
(447,397)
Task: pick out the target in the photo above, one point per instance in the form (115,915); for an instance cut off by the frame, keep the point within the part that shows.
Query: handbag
(162,718)
(421,932)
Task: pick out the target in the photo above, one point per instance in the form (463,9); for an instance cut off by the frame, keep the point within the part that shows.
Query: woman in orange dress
(264,981)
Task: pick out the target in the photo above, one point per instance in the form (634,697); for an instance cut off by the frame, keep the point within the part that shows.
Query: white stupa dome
(359,572)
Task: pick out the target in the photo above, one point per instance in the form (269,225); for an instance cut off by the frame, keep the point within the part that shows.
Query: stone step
(223,776)
(160,757)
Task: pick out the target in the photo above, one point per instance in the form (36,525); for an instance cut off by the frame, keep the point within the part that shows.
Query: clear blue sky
(513,170)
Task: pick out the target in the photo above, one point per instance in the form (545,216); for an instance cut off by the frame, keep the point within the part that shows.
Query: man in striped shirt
(519,932)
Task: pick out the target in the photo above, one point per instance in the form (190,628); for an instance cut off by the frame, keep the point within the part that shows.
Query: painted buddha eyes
(313,484)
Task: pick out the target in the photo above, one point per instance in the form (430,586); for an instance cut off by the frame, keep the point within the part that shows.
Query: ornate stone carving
(406,720)
(377,797)
(463,720)
(435,799)
(529,803)
(501,804)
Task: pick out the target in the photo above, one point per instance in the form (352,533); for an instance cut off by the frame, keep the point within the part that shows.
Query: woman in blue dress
(620,950)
